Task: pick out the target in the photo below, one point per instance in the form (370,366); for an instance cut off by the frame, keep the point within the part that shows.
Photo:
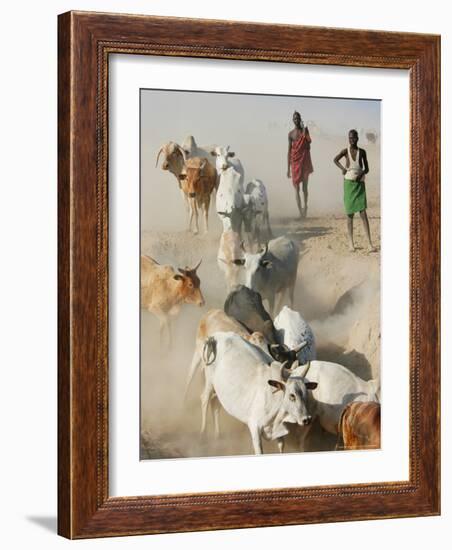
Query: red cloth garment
(300,158)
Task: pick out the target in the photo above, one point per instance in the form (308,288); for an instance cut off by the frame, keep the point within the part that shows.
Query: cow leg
(206,216)
(256,439)
(292,292)
(302,434)
(267,223)
(215,406)
(165,331)
(195,209)
(206,396)
(195,362)
(192,215)
(280,444)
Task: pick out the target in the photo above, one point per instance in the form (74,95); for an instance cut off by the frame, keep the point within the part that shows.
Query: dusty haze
(337,292)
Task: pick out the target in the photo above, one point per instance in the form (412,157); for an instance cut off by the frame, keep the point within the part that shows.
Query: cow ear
(311,385)
(213,153)
(183,177)
(178,277)
(267,264)
(277,384)
(231,154)
(239,261)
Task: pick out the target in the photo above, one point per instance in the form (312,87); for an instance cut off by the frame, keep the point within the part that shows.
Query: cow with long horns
(164,290)
(272,271)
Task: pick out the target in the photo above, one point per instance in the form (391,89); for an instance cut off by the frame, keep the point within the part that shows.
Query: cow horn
(285,372)
(196,267)
(242,246)
(305,370)
(265,250)
(158,155)
(301,346)
(182,152)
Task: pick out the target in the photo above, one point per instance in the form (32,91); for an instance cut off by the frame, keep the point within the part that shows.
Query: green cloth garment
(354,196)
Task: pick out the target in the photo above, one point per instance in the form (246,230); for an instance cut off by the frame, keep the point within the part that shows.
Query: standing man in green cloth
(356,167)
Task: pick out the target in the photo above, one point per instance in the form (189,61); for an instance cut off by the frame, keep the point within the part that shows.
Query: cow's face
(222,156)
(172,156)
(257,268)
(294,406)
(191,175)
(190,286)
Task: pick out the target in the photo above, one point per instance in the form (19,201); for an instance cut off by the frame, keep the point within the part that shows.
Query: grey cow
(272,271)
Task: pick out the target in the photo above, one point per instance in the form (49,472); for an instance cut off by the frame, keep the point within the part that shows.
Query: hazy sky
(256,128)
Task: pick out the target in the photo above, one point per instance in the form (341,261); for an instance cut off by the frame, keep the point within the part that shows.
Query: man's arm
(337,158)
(366,164)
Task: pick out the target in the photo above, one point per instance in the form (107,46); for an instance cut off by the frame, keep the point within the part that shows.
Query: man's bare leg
(365,220)
(298,199)
(351,244)
(305,197)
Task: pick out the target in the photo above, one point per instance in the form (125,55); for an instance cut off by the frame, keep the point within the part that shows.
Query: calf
(198,181)
(230,200)
(164,291)
(359,425)
(256,219)
(262,396)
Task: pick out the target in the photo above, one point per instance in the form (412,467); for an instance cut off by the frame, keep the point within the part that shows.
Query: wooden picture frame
(85,42)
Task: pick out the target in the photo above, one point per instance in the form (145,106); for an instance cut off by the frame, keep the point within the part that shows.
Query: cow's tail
(209,351)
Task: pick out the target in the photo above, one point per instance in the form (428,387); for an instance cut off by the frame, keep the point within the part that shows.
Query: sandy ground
(337,291)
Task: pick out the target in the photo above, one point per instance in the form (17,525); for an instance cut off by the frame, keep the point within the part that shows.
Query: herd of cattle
(260,367)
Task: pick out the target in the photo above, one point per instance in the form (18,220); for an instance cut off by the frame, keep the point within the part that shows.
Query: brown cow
(198,180)
(163,290)
(359,425)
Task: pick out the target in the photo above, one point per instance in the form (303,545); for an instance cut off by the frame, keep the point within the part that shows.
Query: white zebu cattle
(273,271)
(216,320)
(230,199)
(224,159)
(228,251)
(293,331)
(337,386)
(262,396)
(255,214)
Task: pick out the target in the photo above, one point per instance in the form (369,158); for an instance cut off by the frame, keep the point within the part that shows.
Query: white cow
(293,331)
(272,271)
(337,387)
(230,199)
(224,159)
(228,251)
(262,396)
(256,219)
(216,320)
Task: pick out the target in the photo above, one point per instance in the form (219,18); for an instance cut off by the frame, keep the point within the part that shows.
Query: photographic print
(260,274)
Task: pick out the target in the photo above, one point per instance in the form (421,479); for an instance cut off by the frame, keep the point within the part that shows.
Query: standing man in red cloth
(299,163)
